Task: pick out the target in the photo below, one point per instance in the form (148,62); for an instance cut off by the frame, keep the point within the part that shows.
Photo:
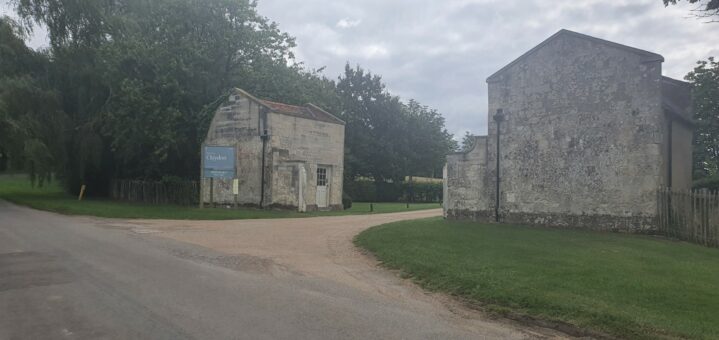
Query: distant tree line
(125,89)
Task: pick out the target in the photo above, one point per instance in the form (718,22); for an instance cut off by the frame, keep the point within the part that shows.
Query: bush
(361,190)
(424,192)
(711,183)
(369,191)
(389,192)
(346,201)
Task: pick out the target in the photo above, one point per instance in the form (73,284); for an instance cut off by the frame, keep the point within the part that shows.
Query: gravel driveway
(322,248)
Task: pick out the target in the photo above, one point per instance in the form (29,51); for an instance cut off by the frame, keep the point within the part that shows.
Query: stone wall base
(333,207)
(633,224)
(471,215)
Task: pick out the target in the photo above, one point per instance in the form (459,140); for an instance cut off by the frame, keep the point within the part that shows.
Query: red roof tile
(309,112)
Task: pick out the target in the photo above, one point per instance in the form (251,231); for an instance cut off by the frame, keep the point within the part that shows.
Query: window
(321,177)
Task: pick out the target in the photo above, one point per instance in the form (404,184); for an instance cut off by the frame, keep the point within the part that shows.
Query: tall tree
(31,123)
(136,80)
(385,138)
(135,76)
(705,96)
(373,118)
(468,141)
(428,143)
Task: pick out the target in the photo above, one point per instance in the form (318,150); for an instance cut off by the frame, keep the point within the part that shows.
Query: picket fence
(690,215)
(156,192)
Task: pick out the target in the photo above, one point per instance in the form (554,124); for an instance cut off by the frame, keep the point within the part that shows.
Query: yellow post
(82,193)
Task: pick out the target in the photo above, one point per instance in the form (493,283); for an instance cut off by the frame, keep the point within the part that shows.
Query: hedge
(370,191)
(710,183)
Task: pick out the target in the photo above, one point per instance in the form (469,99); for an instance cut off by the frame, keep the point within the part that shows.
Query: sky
(441,52)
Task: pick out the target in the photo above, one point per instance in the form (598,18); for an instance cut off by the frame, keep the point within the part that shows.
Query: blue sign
(219,161)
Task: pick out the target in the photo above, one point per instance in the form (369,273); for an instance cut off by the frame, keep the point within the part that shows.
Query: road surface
(64,277)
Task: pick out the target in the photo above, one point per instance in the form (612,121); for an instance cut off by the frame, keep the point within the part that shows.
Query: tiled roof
(309,111)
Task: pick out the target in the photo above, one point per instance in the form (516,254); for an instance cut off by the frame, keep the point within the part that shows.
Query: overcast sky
(441,52)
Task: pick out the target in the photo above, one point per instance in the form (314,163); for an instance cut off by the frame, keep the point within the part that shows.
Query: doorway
(323,174)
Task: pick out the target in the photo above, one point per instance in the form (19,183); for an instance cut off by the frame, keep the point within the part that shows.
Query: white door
(322,184)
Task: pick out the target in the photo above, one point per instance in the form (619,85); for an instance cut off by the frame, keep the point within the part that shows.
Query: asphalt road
(65,277)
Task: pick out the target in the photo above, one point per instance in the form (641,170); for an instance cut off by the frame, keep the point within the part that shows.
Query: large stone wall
(582,139)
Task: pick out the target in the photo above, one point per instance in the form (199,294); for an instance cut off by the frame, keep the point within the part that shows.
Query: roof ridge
(313,106)
(279,103)
(306,111)
(649,56)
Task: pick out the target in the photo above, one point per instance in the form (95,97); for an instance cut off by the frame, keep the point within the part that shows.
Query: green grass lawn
(17,189)
(629,286)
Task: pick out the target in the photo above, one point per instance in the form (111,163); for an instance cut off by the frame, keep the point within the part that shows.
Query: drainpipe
(669,171)
(264,138)
(669,157)
(499,117)
(264,135)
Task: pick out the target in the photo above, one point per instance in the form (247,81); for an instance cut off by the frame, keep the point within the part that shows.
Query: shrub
(361,190)
(346,201)
(711,183)
(369,191)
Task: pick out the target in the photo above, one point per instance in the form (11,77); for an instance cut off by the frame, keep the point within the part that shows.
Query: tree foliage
(707,8)
(126,87)
(135,75)
(387,139)
(705,97)
(32,127)
(468,141)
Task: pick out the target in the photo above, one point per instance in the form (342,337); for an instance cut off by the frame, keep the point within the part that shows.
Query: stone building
(586,130)
(286,156)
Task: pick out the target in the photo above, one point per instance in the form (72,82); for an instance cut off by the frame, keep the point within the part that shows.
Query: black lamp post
(499,118)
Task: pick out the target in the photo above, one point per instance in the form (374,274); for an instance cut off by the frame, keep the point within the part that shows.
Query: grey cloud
(441,52)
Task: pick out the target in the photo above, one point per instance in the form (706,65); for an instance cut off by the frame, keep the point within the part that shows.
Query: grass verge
(17,189)
(629,286)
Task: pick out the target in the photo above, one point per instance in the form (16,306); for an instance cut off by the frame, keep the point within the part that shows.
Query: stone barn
(287,156)
(583,132)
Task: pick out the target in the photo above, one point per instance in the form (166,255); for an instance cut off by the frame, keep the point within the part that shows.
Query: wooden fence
(690,215)
(156,192)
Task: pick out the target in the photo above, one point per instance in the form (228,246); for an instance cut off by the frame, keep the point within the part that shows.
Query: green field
(17,189)
(629,286)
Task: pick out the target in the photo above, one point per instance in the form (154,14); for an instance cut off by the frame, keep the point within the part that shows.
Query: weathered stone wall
(286,186)
(314,143)
(465,183)
(582,140)
(237,122)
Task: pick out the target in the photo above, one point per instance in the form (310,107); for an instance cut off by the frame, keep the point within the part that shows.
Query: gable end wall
(583,138)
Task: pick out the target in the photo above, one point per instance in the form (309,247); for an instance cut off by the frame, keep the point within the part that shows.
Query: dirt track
(322,247)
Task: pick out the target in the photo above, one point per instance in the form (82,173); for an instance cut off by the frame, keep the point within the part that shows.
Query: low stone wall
(472,215)
(631,224)
(333,207)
